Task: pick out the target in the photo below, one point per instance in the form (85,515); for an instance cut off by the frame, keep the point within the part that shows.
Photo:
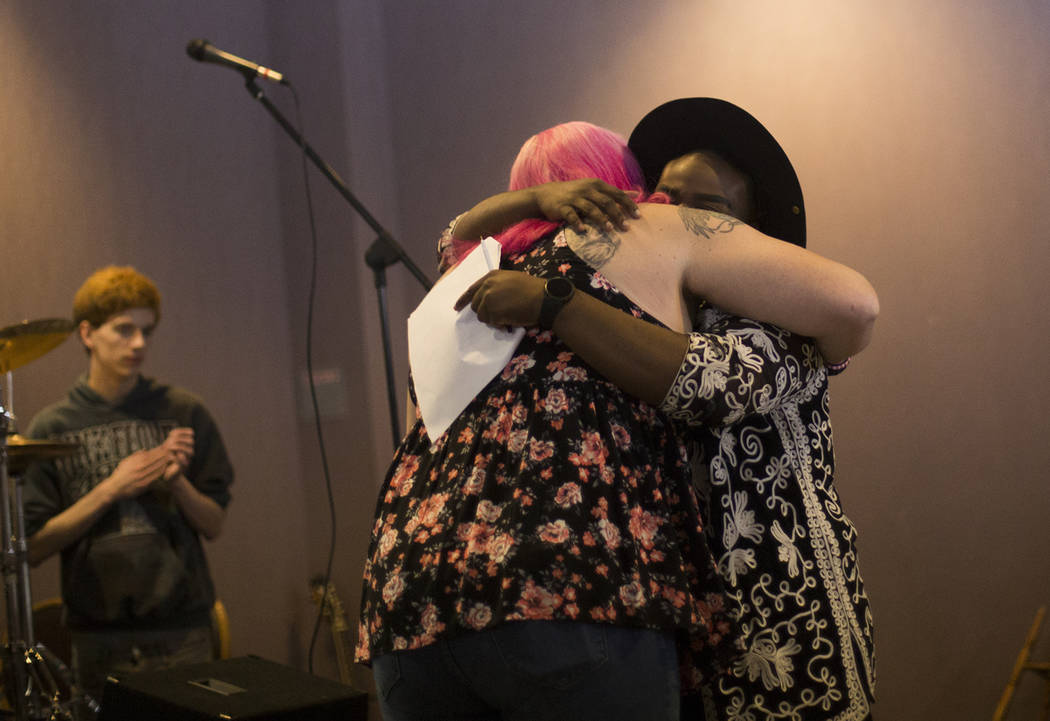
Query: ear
(84,331)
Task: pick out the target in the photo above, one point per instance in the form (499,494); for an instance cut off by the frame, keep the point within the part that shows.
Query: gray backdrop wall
(919,132)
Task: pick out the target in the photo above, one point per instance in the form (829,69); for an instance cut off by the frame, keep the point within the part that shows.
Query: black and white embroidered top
(757,397)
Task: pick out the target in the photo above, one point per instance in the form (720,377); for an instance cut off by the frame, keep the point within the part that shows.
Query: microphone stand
(383,252)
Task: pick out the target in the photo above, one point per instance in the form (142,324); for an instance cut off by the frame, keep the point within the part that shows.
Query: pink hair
(569,151)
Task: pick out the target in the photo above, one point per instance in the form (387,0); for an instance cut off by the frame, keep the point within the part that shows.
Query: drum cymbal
(23,451)
(26,341)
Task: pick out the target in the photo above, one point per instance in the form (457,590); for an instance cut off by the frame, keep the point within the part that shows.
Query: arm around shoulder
(639,357)
(749,274)
(570,201)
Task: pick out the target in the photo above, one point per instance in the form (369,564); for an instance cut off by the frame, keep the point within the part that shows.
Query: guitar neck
(333,611)
(342,656)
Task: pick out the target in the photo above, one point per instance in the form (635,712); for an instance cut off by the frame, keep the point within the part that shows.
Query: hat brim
(686,125)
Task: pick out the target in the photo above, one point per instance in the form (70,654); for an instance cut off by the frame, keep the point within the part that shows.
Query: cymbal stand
(35,671)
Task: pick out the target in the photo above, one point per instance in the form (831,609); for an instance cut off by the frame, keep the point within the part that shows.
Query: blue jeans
(534,671)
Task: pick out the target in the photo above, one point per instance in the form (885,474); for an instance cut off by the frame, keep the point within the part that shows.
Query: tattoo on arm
(595,247)
(706,223)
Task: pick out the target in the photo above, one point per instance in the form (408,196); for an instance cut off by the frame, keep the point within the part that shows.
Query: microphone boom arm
(384,250)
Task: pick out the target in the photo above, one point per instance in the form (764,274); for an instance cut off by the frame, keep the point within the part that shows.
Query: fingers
(465,299)
(569,214)
(468,294)
(157,463)
(141,476)
(179,445)
(601,212)
(180,436)
(172,470)
(183,458)
(138,471)
(504,298)
(478,301)
(161,457)
(617,204)
(145,461)
(600,204)
(476,295)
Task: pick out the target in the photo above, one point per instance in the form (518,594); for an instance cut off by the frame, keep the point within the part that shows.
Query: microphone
(205,52)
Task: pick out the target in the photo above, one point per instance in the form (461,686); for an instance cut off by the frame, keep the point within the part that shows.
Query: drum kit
(37,683)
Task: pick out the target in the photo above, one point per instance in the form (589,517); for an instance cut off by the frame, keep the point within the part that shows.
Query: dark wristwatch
(557,292)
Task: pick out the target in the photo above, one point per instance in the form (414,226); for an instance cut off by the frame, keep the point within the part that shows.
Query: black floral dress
(554,495)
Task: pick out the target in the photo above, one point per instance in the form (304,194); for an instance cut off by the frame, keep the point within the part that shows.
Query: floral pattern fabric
(554,495)
(758,397)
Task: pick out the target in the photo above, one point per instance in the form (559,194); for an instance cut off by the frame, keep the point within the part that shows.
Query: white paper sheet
(452,354)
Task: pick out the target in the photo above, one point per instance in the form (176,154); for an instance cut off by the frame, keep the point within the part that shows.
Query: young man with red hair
(127,510)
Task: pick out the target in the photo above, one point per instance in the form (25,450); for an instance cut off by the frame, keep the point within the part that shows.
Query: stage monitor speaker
(237,688)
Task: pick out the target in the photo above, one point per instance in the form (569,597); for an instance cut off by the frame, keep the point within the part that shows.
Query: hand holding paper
(452,354)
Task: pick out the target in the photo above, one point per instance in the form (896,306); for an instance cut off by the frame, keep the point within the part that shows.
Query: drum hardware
(40,685)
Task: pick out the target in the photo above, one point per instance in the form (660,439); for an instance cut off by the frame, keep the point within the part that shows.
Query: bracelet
(836,368)
(453,224)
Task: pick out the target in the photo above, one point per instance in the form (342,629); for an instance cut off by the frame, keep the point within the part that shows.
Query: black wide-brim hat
(690,124)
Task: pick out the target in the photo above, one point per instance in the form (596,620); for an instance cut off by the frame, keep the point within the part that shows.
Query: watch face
(557,292)
(558,287)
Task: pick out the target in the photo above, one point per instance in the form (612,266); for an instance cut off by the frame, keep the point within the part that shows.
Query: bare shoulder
(658,232)
(698,223)
(665,234)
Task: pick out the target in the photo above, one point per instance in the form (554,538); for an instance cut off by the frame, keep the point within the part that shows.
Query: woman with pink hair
(542,557)
(597,174)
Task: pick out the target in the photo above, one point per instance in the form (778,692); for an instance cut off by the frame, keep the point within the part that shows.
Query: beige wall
(919,131)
